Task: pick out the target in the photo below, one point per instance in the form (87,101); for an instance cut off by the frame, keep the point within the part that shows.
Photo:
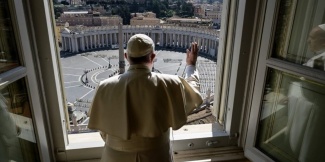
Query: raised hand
(191,54)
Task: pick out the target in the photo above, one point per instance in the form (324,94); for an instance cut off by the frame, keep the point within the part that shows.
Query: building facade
(87,38)
(88,19)
(148,18)
(188,22)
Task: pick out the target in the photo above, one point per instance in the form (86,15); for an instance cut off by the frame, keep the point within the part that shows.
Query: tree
(65,3)
(169,13)
(186,10)
(89,2)
(134,7)
(124,12)
(55,1)
(156,8)
(57,12)
(166,3)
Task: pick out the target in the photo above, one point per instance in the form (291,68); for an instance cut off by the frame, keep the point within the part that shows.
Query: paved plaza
(82,72)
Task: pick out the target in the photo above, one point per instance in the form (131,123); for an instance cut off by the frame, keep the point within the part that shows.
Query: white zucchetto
(140,45)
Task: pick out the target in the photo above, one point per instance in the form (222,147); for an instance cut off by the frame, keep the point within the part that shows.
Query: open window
(95,45)
(236,65)
(287,108)
(23,130)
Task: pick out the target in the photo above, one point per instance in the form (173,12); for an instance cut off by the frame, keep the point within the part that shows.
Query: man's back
(141,102)
(134,111)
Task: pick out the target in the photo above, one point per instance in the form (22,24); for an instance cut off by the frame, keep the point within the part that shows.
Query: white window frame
(265,61)
(236,43)
(26,71)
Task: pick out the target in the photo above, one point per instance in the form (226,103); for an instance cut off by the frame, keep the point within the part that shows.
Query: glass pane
(8,47)
(292,118)
(89,48)
(300,33)
(17,136)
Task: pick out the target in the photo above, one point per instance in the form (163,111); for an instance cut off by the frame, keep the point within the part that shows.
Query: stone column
(207,45)
(161,39)
(77,44)
(86,41)
(153,37)
(63,43)
(179,40)
(102,40)
(176,39)
(111,39)
(90,42)
(96,40)
(73,44)
(106,40)
(121,49)
(210,44)
(166,41)
(202,43)
(66,43)
(183,40)
(116,38)
(82,43)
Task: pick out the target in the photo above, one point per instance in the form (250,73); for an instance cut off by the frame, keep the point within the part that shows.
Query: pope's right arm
(191,84)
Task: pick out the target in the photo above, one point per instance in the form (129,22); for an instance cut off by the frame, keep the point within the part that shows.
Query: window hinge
(61,154)
(233,138)
(234,135)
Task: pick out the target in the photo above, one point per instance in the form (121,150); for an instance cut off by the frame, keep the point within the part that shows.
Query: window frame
(26,71)
(236,43)
(266,61)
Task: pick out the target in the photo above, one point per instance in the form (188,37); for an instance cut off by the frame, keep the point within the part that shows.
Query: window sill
(85,146)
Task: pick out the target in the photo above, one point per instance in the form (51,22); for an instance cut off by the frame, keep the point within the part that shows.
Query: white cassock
(135,110)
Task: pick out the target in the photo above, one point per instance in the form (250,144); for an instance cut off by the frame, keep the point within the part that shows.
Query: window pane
(88,38)
(292,118)
(300,33)
(8,48)
(17,136)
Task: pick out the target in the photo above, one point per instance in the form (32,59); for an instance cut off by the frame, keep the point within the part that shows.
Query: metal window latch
(211,143)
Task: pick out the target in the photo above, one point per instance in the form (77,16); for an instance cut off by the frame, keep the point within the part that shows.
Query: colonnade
(88,38)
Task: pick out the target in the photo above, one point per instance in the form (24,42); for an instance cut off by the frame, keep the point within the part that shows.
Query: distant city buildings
(209,11)
(147,18)
(99,9)
(77,39)
(206,16)
(83,18)
(86,18)
(189,22)
(73,2)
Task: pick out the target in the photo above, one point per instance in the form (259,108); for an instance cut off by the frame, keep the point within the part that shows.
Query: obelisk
(121,49)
